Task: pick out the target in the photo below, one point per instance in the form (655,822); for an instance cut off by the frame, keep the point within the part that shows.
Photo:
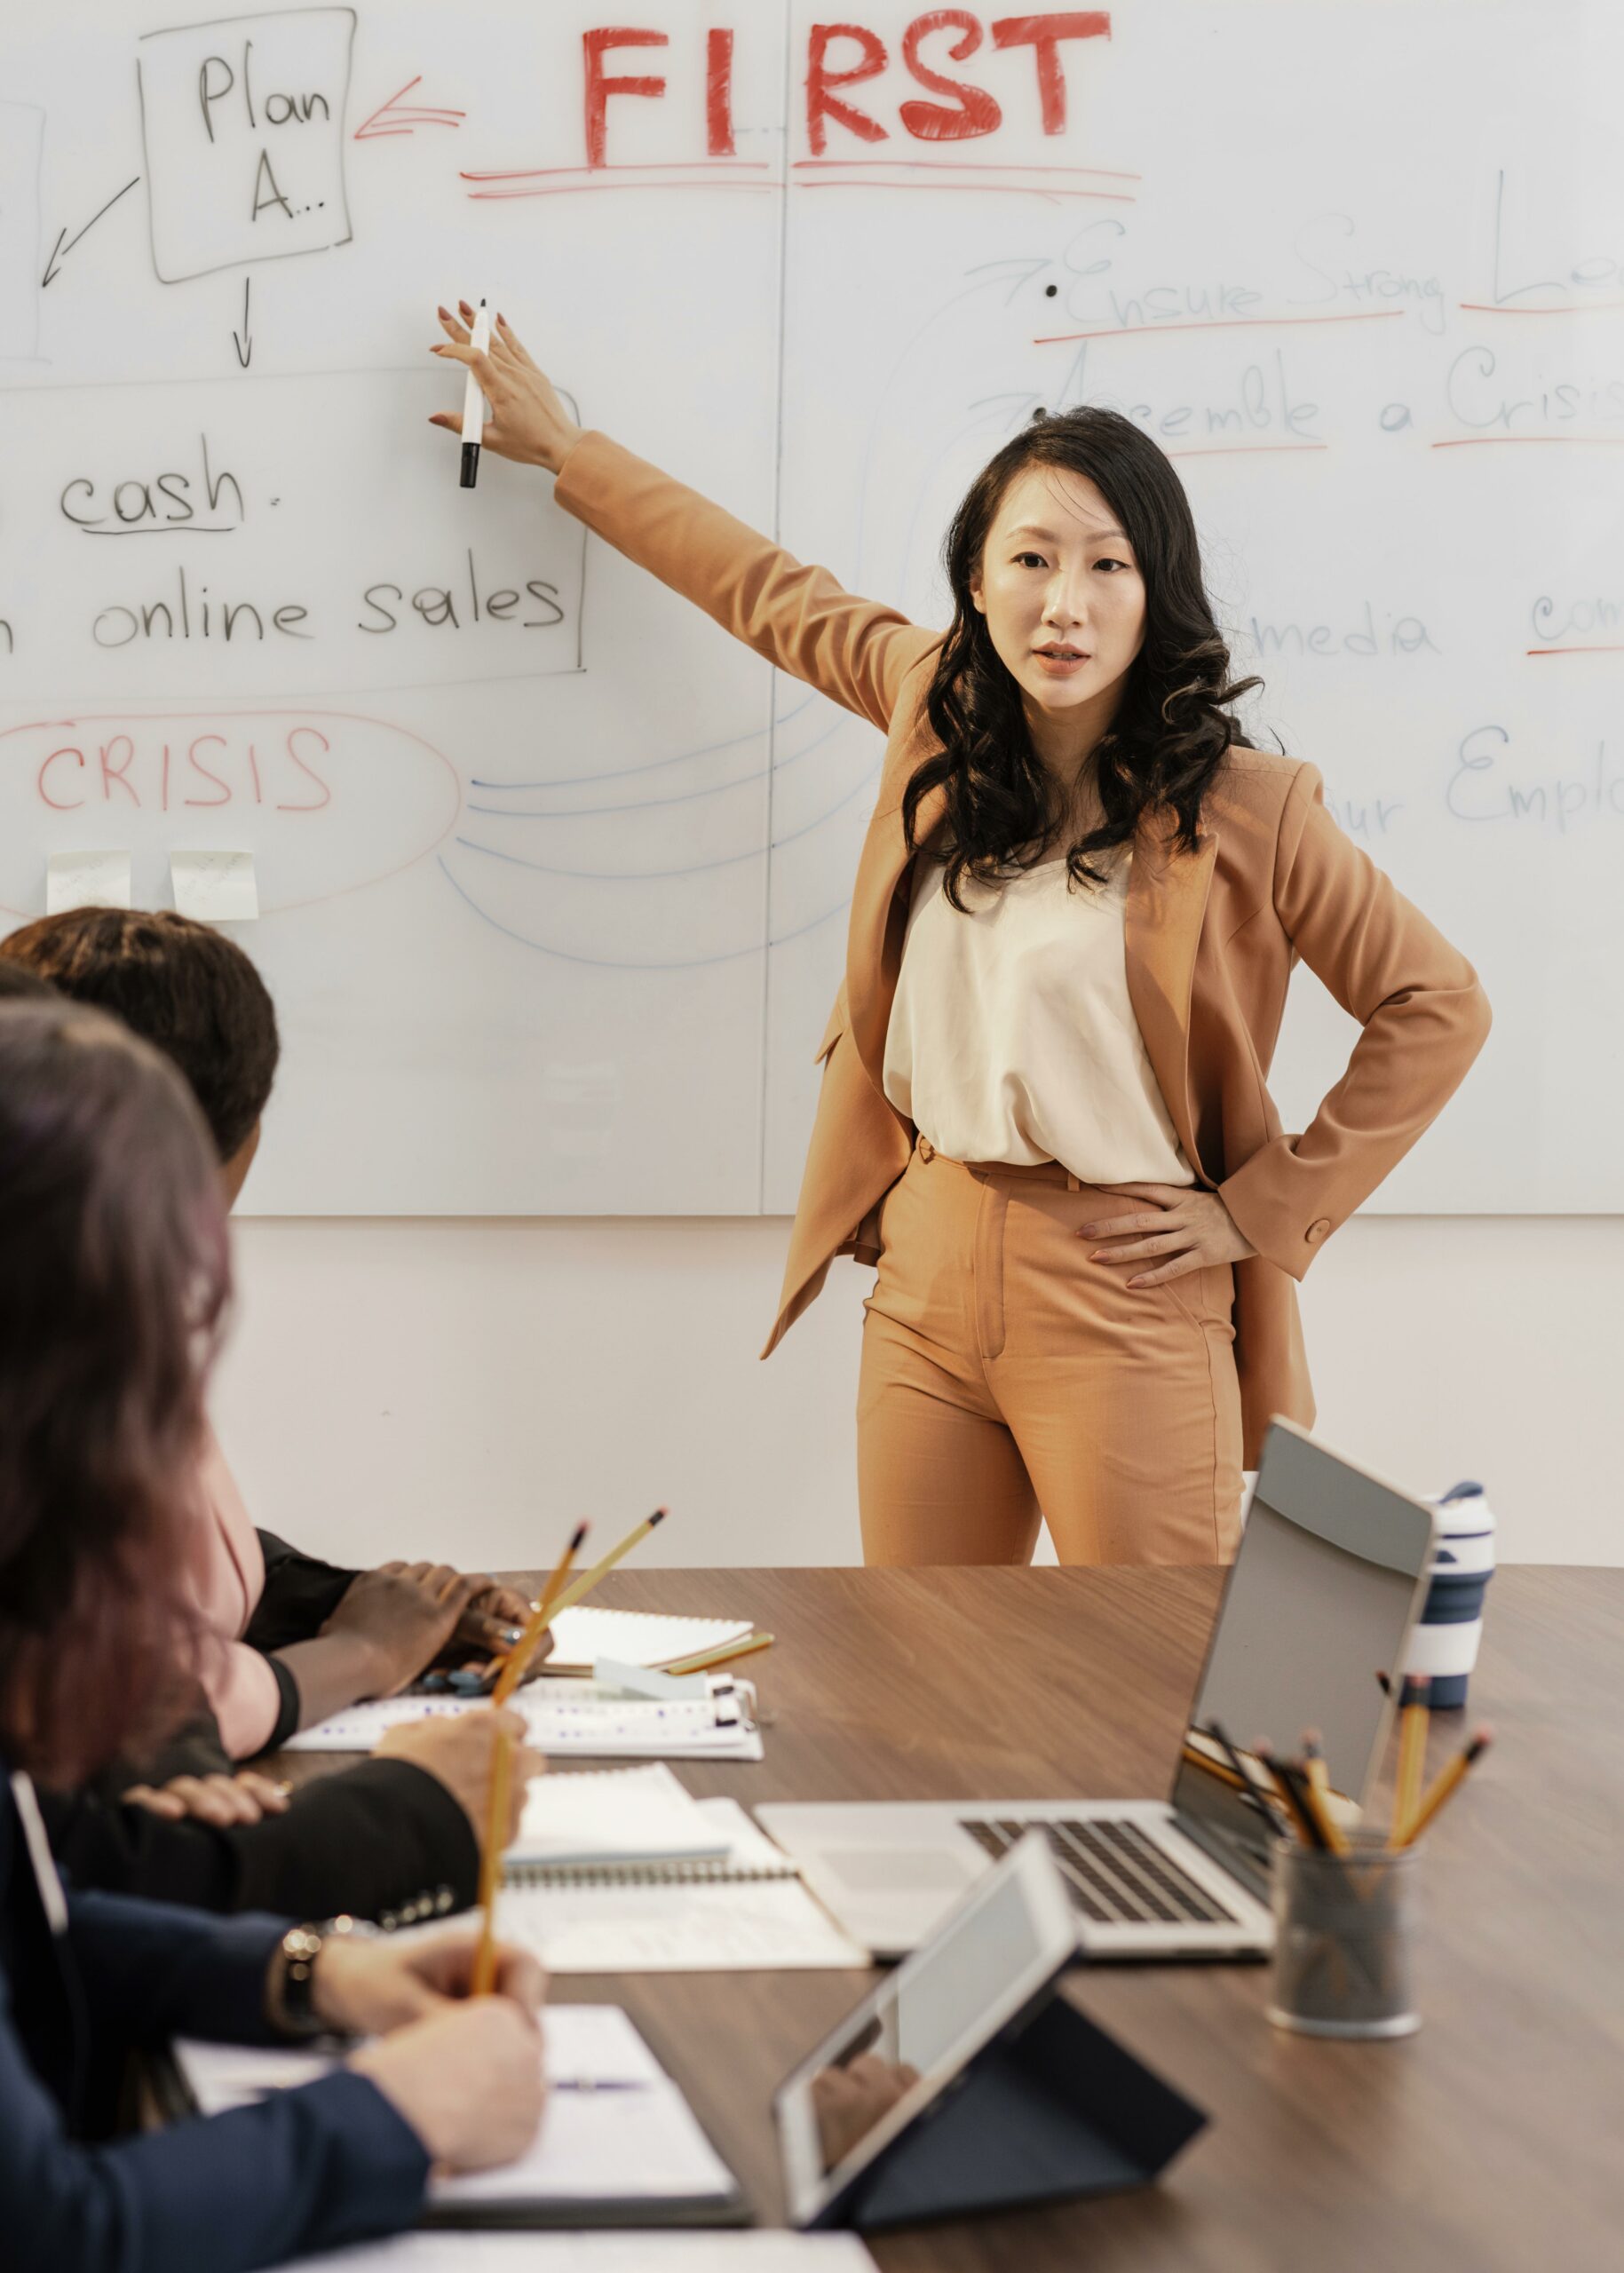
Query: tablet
(898,2056)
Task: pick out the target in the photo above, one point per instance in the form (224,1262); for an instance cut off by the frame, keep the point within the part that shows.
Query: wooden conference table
(1489,2141)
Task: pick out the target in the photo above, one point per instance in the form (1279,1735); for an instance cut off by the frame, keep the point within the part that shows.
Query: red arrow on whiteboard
(386,120)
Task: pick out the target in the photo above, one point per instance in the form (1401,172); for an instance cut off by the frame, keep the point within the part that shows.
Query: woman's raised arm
(857,652)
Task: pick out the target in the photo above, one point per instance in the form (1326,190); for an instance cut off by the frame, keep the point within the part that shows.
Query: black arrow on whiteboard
(242,341)
(64,244)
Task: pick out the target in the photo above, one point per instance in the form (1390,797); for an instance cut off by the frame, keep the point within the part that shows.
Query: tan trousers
(1008,1381)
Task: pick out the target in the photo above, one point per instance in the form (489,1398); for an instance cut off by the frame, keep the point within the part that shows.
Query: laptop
(1327,1586)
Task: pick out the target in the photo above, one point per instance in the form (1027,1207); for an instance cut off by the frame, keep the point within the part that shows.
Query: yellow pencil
(588,1580)
(513,1666)
(502,1767)
(1447,1783)
(722,1654)
(490,1866)
(1411,1757)
(1313,1797)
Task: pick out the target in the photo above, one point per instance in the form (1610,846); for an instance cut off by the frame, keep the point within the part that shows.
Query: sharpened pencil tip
(659,1516)
(581,1532)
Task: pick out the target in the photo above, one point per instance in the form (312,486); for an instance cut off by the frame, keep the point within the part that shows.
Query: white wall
(464,1389)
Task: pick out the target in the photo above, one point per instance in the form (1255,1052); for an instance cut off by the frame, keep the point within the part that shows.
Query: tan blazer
(1212,936)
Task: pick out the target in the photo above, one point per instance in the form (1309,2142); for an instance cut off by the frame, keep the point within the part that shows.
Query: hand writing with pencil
(464,2071)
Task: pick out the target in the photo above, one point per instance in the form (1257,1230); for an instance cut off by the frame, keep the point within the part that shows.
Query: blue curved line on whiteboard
(984,409)
(655,764)
(608,875)
(652,804)
(1031,267)
(602,962)
(664,875)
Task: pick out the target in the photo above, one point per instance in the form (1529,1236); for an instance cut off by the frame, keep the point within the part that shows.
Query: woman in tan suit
(1044,1110)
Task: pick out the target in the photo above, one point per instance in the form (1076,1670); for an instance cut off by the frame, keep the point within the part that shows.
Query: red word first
(840,57)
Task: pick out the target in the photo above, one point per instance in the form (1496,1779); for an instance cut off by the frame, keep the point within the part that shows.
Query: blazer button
(1317,1231)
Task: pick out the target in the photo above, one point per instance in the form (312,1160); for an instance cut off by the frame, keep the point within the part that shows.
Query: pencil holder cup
(1343,1934)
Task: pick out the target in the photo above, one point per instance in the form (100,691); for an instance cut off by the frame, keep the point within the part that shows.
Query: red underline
(1212,324)
(1574,651)
(1487,308)
(727,181)
(576,188)
(967,165)
(982,188)
(1498,441)
(595,173)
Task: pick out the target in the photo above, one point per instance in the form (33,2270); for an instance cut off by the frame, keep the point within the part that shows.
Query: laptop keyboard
(1117,1876)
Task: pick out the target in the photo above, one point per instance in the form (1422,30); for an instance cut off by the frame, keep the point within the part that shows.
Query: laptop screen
(1331,1571)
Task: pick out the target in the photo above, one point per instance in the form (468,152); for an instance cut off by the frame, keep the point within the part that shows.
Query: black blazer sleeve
(300,1594)
(386,1839)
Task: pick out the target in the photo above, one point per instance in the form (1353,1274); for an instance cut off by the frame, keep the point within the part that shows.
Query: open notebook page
(614,1815)
(635,1638)
(637,2142)
(643,2253)
(751,1916)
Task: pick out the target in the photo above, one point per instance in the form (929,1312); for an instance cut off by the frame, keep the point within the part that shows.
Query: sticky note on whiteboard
(86,880)
(215,887)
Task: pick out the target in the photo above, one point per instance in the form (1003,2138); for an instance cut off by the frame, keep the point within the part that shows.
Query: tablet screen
(907,2039)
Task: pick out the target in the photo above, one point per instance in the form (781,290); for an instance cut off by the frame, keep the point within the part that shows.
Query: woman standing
(1045,1110)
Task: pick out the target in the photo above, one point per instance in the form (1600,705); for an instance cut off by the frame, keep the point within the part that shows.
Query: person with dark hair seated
(18,984)
(396,1839)
(293,1638)
(115,1282)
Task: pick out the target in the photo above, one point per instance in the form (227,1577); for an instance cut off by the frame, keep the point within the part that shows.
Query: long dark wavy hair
(113,1280)
(1166,741)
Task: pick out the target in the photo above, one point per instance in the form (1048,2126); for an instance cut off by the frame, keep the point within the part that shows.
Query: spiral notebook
(619,2144)
(741,1909)
(636,1637)
(612,1819)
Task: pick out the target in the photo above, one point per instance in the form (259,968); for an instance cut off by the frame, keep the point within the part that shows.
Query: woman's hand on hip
(528,422)
(1183,1228)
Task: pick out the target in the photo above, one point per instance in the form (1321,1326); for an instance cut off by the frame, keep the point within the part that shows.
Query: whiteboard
(553,875)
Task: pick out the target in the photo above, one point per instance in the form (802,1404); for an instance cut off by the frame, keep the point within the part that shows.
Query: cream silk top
(1012,1034)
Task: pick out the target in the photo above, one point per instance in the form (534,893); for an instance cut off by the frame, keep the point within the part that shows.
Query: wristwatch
(290,1993)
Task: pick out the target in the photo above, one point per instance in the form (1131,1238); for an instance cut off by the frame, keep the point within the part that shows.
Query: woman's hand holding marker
(528,422)
(1193,1229)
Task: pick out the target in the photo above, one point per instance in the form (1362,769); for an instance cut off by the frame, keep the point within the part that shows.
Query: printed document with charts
(580,1719)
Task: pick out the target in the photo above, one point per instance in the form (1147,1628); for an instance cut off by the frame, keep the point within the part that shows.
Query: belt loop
(1072,1182)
